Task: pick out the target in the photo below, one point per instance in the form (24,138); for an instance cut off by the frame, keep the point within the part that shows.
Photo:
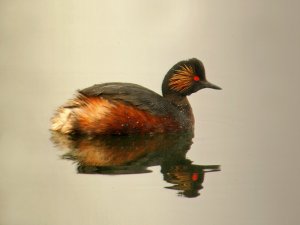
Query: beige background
(48,49)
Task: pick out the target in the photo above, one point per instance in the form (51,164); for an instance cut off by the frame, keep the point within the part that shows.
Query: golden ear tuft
(182,78)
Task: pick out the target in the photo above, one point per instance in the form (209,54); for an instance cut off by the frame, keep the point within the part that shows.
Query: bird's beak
(207,84)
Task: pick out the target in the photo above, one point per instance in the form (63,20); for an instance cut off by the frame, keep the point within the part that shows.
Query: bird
(118,108)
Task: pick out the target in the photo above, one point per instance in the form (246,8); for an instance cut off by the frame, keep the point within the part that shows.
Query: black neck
(182,103)
(177,99)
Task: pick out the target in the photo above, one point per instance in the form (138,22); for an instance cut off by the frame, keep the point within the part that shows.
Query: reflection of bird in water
(186,177)
(133,154)
(124,108)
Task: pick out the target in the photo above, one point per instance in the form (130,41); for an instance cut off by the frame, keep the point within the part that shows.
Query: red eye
(196,78)
(195,176)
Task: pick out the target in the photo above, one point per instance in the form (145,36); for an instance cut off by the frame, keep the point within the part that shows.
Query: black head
(185,78)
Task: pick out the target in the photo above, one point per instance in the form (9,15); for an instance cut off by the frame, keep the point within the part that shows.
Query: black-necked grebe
(125,108)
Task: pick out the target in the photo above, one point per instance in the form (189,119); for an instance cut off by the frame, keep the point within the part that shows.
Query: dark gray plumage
(132,94)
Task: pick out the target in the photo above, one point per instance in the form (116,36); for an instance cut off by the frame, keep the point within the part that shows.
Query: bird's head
(185,78)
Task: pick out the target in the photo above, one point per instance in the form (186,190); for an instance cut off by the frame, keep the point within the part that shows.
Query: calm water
(241,165)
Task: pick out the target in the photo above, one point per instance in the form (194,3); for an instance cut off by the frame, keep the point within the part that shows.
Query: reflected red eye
(196,78)
(195,176)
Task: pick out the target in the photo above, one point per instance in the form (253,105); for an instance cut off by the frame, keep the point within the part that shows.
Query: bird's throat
(183,105)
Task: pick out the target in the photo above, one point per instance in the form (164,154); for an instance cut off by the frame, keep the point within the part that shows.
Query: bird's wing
(132,94)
